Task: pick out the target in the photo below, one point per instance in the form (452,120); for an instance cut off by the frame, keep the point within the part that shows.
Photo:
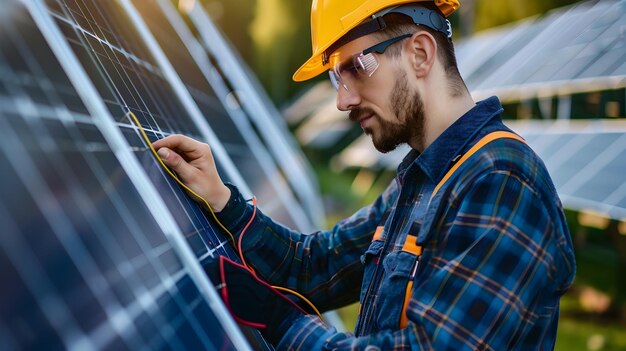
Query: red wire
(224,292)
(243,261)
(243,231)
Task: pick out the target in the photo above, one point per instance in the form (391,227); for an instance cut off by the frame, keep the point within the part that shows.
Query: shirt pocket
(395,289)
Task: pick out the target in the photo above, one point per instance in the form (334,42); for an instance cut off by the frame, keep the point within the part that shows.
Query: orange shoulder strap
(482,142)
(404,320)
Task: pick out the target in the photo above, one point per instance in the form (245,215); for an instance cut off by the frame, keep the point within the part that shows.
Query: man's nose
(347,99)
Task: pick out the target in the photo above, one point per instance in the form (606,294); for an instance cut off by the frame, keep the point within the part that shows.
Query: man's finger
(172,141)
(174,161)
(185,146)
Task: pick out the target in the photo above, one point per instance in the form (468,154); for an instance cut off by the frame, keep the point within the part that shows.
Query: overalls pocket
(394,292)
(397,285)
(370,260)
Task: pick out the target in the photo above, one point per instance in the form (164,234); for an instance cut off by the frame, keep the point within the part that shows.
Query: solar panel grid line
(89,94)
(566,49)
(105,72)
(200,217)
(145,302)
(116,140)
(543,47)
(184,96)
(594,58)
(113,308)
(185,200)
(591,169)
(102,41)
(267,163)
(256,110)
(44,84)
(137,98)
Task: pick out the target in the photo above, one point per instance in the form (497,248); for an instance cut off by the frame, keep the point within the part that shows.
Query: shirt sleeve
(481,284)
(325,266)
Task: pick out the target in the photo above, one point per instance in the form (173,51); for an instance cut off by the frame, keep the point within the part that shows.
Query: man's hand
(251,301)
(194,164)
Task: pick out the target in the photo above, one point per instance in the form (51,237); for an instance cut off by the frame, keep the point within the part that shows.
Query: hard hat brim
(310,69)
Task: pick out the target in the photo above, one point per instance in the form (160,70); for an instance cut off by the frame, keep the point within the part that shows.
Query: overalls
(392,259)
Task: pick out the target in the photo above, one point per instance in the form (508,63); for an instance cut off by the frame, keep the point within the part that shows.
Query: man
(467,249)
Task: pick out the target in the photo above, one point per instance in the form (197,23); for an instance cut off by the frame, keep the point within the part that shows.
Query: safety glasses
(362,65)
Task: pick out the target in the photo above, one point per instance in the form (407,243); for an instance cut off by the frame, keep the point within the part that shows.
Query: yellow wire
(280,288)
(149,143)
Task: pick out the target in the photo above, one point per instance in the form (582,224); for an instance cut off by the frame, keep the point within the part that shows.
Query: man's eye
(349,69)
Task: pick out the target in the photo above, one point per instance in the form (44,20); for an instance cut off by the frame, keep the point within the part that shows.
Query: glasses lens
(366,64)
(351,70)
(343,74)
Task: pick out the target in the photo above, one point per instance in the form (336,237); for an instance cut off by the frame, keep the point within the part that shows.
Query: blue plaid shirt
(496,252)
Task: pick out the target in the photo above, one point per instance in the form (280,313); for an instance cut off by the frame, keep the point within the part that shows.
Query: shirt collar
(438,157)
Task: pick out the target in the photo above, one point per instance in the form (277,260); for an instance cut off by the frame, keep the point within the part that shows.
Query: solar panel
(103,249)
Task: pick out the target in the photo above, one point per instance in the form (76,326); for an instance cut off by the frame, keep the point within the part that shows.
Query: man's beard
(409,126)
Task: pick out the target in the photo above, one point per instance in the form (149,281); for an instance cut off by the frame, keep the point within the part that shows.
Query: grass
(575,335)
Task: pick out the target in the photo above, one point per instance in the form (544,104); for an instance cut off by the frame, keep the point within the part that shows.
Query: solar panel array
(576,49)
(100,249)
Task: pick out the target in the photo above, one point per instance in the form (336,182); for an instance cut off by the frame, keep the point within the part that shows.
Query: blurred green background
(273,38)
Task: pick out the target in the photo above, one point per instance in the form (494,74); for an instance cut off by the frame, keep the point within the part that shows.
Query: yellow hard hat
(332,19)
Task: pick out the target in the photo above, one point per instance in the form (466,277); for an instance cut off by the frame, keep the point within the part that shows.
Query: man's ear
(422,53)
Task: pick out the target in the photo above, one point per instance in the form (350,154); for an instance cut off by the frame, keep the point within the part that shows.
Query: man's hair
(399,24)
